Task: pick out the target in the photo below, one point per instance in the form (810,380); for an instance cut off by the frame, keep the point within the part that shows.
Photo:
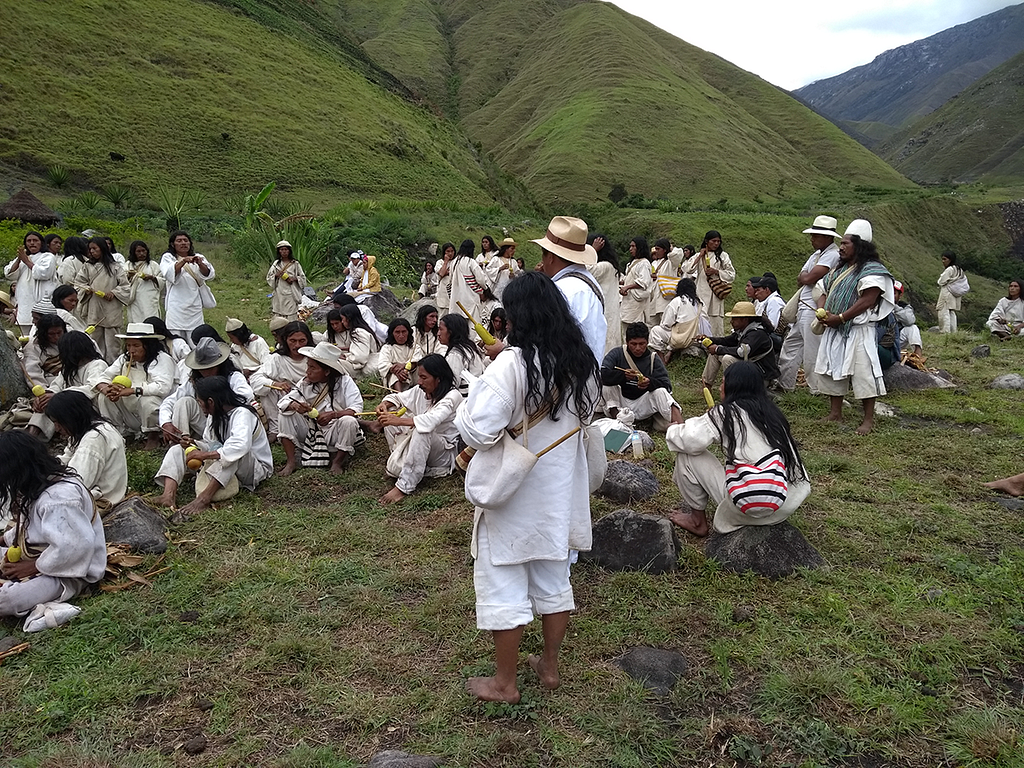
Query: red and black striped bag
(760,487)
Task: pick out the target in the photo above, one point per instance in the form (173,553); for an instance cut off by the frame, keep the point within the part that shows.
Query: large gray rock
(629,541)
(767,550)
(1008,381)
(385,305)
(393,758)
(659,670)
(12,378)
(982,350)
(901,377)
(136,525)
(627,482)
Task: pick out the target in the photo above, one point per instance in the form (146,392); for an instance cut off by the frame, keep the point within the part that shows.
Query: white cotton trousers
(657,403)
(508,596)
(716,363)
(18,598)
(271,411)
(426,454)
(850,364)
(340,434)
(947,320)
(910,337)
(188,418)
(799,350)
(174,467)
(138,415)
(106,342)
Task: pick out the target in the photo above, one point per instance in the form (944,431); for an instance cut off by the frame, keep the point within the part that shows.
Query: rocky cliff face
(872,101)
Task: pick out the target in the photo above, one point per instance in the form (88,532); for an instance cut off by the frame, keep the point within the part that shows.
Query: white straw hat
(567,238)
(823,225)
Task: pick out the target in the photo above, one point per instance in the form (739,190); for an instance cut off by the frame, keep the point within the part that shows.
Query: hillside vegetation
(976,136)
(900,86)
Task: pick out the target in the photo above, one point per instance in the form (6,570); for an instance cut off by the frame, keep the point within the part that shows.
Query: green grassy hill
(978,135)
(201,96)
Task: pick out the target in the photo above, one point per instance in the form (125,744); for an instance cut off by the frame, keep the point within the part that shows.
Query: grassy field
(307,626)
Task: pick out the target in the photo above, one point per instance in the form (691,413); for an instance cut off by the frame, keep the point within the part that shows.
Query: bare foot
(272,438)
(338,463)
(162,501)
(192,508)
(487,689)
(286,470)
(865,427)
(548,677)
(1012,486)
(152,442)
(392,496)
(695,521)
(833,417)
(373,426)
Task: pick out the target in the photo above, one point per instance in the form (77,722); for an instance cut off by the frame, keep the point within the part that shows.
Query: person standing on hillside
(952,285)
(186,274)
(636,285)
(35,272)
(606,272)
(711,264)
(664,278)
(800,347)
(469,280)
(287,280)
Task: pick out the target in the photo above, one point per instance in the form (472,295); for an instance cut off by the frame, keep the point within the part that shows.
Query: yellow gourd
(820,313)
(90,329)
(38,390)
(706,342)
(101,294)
(313,413)
(708,398)
(192,463)
(122,381)
(13,554)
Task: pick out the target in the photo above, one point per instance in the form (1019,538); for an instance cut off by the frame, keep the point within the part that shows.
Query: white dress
(144,294)
(714,306)
(183,303)
(633,304)
(608,278)
(35,284)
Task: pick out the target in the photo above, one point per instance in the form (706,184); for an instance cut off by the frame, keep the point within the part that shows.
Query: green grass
(308,626)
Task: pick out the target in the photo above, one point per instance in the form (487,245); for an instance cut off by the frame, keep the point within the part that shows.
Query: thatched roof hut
(26,207)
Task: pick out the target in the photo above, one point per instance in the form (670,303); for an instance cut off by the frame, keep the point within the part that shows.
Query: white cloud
(794,42)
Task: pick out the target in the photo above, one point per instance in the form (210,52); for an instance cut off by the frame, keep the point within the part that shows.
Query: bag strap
(632,363)
(586,278)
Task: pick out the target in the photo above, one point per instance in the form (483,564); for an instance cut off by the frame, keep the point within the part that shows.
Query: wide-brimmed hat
(507,241)
(139,331)
(567,238)
(743,309)
(861,228)
(209,353)
(283,244)
(329,355)
(232,324)
(277,322)
(823,225)
(5,299)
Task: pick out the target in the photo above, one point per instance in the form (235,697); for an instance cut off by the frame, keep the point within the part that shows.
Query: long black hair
(160,327)
(174,236)
(205,331)
(224,370)
(865,251)
(152,348)
(745,391)
(561,370)
(225,399)
(334,314)
(24,240)
(711,235)
(467,248)
(499,312)
(106,257)
(352,313)
(29,469)
(46,322)
(643,251)
(60,293)
(295,326)
(75,349)
(687,288)
(131,251)
(391,332)
(438,367)
(75,412)
(76,247)
(458,337)
(421,318)
(240,336)
(48,242)
(607,252)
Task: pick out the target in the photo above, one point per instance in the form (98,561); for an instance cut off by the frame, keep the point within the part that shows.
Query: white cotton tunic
(359,348)
(1006,311)
(183,303)
(577,286)
(947,300)
(277,368)
(550,512)
(35,284)
(633,304)
(661,268)
(694,267)
(145,293)
(608,279)
(287,296)
(500,270)
(245,437)
(426,344)
(430,418)
(394,354)
(99,460)
(89,375)
(187,389)
(251,356)
(463,271)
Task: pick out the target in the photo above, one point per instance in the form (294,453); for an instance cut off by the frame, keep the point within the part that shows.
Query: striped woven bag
(760,487)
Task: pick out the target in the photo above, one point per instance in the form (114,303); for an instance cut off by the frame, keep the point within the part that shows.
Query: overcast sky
(794,42)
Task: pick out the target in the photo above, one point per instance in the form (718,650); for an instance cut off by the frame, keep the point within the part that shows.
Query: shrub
(117,195)
(58,176)
(88,200)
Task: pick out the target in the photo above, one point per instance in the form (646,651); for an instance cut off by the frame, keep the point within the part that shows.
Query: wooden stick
(559,441)
(809,305)
(14,651)
(381,386)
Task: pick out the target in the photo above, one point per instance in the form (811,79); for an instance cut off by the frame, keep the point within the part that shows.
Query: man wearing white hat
(287,280)
(566,254)
(800,347)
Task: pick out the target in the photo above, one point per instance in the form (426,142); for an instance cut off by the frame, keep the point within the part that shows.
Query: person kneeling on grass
(763,481)
(55,547)
(319,415)
(636,378)
(424,440)
(234,449)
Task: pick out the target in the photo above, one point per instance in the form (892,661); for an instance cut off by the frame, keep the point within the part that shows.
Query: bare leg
(501,687)
(836,410)
(392,496)
(1014,486)
(371,426)
(695,521)
(152,441)
(169,494)
(677,415)
(546,665)
(869,417)
(201,502)
(289,454)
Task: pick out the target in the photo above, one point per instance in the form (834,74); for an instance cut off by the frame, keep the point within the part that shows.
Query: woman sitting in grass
(281,371)
(65,304)
(759,454)
(248,351)
(426,341)
(461,353)
(55,547)
(234,447)
(81,370)
(1007,319)
(424,440)
(319,417)
(394,364)
(347,330)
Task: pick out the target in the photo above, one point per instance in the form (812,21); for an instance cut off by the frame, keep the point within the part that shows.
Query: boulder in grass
(982,350)
(136,525)
(656,668)
(384,305)
(767,550)
(12,378)
(393,758)
(903,378)
(1008,381)
(628,482)
(629,541)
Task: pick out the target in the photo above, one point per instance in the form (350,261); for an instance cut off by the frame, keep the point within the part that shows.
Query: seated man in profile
(636,378)
(748,341)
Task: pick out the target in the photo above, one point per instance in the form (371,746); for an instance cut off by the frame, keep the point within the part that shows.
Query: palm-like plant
(58,176)
(252,205)
(172,202)
(117,194)
(89,200)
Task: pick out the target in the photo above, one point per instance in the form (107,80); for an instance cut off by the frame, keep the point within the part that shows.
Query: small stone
(887,411)
(742,613)
(903,378)
(6,643)
(1008,381)
(658,669)
(629,541)
(1014,505)
(932,595)
(393,758)
(194,746)
(927,690)
(189,616)
(977,431)
(982,350)
(204,705)
(627,482)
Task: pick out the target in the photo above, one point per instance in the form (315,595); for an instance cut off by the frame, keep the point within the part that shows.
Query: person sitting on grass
(55,547)
(636,378)
(748,341)
(319,417)
(1007,319)
(281,371)
(348,330)
(248,351)
(759,453)
(910,334)
(395,361)
(682,323)
(461,353)
(424,440)
(95,450)
(234,449)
